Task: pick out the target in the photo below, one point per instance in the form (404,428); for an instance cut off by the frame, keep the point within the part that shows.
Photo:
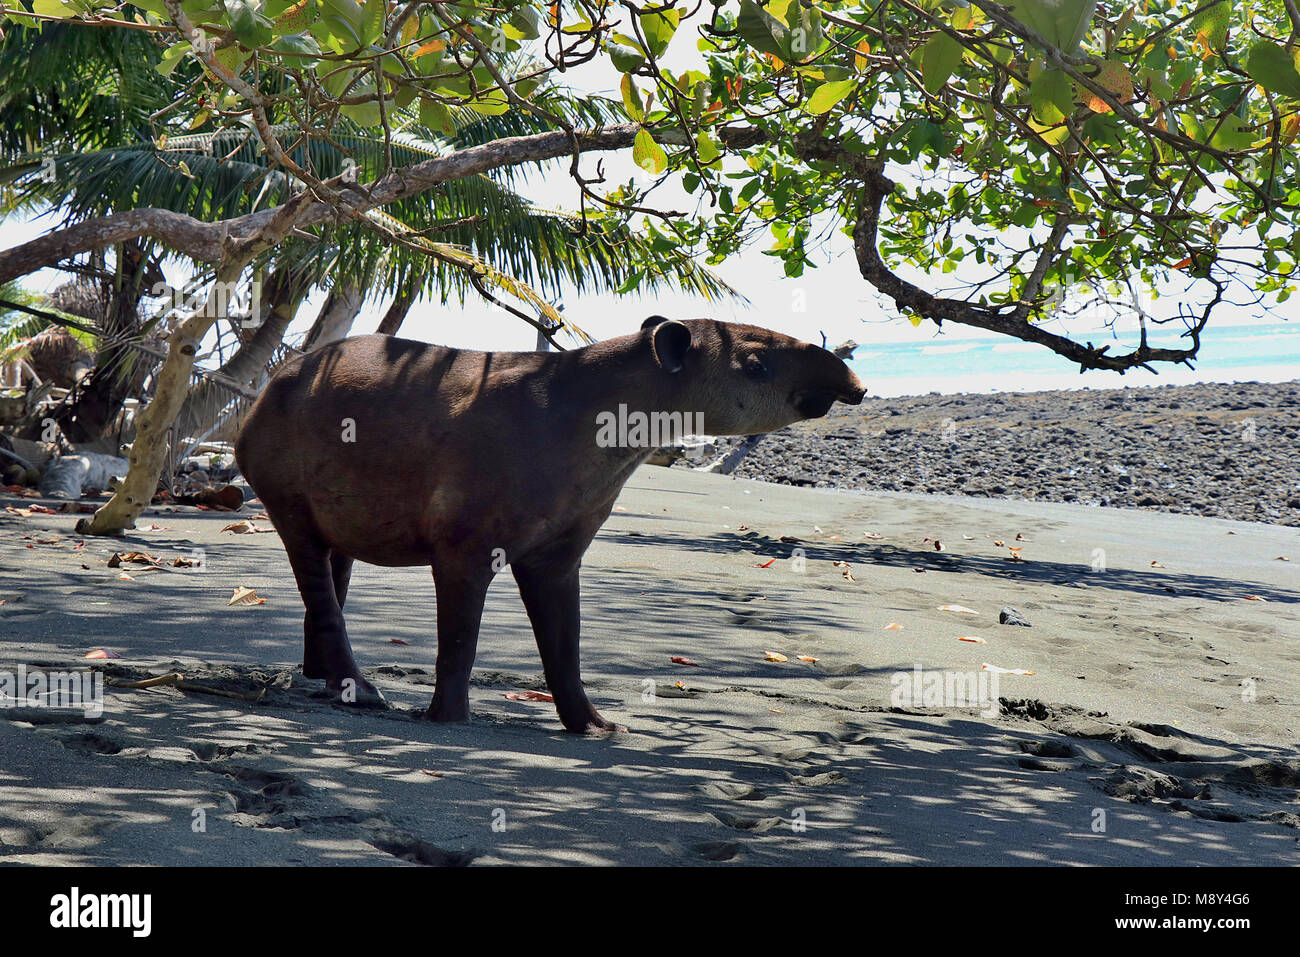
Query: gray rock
(1009,616)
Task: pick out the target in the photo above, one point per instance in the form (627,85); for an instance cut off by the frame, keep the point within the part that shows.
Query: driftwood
(70,475)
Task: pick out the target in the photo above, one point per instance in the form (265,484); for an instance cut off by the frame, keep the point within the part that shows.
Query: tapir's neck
(612,389)
(607,374)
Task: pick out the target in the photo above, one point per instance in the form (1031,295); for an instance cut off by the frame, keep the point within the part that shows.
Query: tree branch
(910,298)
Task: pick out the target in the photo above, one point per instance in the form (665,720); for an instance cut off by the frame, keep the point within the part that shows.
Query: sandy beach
(1158,726)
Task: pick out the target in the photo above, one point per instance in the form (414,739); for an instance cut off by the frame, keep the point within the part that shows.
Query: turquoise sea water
(1269,352)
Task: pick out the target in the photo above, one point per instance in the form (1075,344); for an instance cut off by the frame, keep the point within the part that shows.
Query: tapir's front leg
(462,588)
(551,596)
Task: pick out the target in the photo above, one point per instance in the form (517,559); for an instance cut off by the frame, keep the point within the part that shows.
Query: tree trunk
(336,317)
(149,450)
(395,315)
(281,298)
(115,377)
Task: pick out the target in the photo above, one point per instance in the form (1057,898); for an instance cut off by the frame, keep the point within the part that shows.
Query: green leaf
(341,19)
(625,58)
(1272,67)
(828,94)
(762,32)
(939,58)
(1051,94)
(707,150)
(631,99)
(490,104)
(52,8)
(172,56)
(527,21)
(436,116)
(658,26)
(302,45)
(372,21)
(648,154)
(252,29)
(1063,24)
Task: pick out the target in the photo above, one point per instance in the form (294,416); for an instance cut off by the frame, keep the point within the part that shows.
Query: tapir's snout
(855,392)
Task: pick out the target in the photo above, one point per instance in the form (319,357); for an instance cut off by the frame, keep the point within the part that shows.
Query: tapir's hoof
(604,730)
(595,726)
(443,713)
(357,692)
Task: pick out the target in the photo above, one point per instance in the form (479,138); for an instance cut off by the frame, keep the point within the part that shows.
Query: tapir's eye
(755,369)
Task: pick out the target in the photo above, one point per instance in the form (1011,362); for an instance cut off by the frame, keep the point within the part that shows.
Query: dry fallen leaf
(1156,565)
(1004,671)
(874,536)
(1253,598)
(245,596)
(184,562)
(775,656)
(125,577)
(139,558)
(893,626)
(397,641)
(938,545)
(999,543)
(969,538)
(975,638)
(244,527)
(844,566)
(679,660)
(527,696)
(808,658)
(959,609)
(776,710)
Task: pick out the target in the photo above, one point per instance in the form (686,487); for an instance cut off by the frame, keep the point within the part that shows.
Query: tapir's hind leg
(326,651)
(551,596)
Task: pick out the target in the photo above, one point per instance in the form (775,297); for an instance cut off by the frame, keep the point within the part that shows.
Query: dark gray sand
(1159,725)
(1231,451)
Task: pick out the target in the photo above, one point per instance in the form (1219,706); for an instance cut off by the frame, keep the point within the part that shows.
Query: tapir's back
(377,418)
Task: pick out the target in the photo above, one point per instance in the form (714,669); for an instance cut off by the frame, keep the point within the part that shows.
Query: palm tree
(472,234)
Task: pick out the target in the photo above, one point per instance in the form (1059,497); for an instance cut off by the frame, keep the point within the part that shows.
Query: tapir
(396,453)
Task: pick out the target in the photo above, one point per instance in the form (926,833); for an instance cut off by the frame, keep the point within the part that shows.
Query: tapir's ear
(652,322)
(671,341)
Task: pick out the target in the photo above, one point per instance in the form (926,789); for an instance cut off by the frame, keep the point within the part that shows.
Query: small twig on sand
(253,696)
(174,678)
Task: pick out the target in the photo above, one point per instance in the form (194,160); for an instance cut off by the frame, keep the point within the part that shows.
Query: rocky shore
(1224,450)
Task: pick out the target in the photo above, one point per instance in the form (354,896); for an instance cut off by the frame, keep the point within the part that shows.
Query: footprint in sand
(757,825)
(408,847)
(733,791)
(817,780)
(716,850)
